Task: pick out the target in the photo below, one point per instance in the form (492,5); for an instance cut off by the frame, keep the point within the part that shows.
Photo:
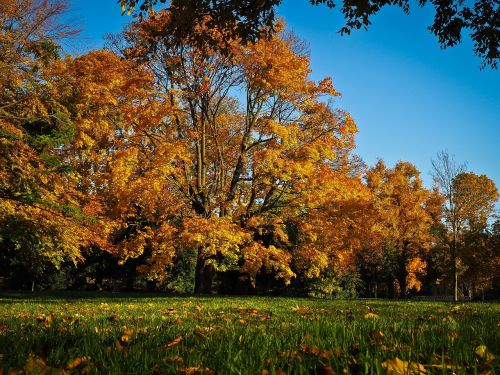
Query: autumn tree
(474,201)
(406,212)
(41,212)
(245,19)
(243,137)
(444,171)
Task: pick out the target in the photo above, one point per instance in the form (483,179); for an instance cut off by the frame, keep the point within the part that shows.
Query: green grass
(243,335)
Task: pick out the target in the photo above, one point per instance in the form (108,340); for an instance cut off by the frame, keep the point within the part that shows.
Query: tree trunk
(403,273)
(402,284)
(198,273)
(204,275)
(454,266)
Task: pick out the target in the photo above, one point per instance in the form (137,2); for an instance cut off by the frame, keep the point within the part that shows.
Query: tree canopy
(246,19)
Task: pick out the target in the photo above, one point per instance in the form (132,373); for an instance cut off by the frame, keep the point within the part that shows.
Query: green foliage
(336,285)
(24,246)
(181,278)
(47,134)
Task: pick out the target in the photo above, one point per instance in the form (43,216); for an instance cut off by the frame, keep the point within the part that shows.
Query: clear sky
(409,98)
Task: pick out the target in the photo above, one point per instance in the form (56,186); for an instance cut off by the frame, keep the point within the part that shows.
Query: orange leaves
(415,268)
(271,65)
(164,156)
(73,364)
(256,256)
(406,214)
(174,342)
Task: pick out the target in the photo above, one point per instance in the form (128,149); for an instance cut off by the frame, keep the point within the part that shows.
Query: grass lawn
(122,334)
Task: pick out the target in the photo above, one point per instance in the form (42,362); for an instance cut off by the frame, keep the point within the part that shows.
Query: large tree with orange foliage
(244,141)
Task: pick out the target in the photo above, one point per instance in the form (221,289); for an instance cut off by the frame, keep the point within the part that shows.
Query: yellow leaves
(37,366)
(311,261)
(197,370)
(371,315)
(272,65)
(9,130)
(449,319)
(397,366)
(216,236)
(123,166)
(482,352)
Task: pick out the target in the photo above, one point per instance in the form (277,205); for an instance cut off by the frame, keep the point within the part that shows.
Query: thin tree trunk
(198,274)
(454,266)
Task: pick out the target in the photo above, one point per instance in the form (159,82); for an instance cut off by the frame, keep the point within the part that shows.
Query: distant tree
(444,171)
(406,214)
(475,197)
(480,256)
(246,18)
(469,204)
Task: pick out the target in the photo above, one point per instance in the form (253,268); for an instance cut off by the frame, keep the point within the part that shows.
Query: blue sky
(409,98)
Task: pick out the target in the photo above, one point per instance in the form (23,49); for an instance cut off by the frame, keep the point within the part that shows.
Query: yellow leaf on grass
(397,366)
(482,352)
(371,316)
(197,370)
(449,319)
(37,366)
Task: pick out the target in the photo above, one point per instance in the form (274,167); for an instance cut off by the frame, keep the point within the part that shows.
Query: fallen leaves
(37,366)
(482,352)
(374,331)
(197,370)
(127,335)
(173,342)
(46,320)
(78,362)
(118,346)
(397,366)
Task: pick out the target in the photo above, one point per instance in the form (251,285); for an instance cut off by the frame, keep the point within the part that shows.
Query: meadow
(137,334)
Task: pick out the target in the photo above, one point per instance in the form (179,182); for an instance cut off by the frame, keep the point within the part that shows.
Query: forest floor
(122,334)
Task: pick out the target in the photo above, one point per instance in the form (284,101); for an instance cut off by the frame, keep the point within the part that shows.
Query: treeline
(205,164)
